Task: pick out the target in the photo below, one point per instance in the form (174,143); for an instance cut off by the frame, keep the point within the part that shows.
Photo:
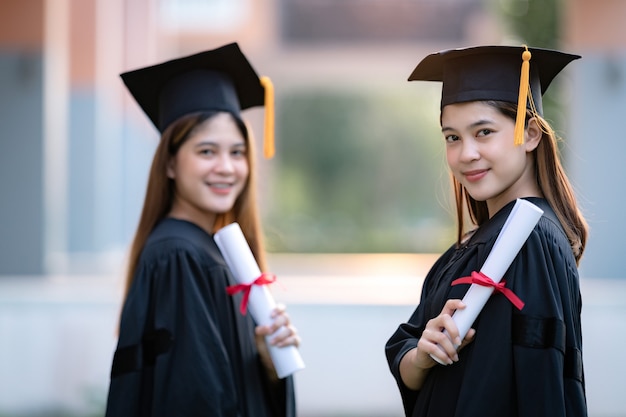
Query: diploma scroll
(245,270)
(518,226)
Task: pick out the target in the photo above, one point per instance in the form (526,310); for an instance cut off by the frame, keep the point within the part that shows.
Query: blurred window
(203,15)
(366,21)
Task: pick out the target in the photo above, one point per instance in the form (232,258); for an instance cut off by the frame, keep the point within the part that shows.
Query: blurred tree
(537,23)
(357,172)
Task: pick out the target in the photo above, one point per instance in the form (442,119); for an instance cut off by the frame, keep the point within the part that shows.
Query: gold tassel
(523,94)
(268,138)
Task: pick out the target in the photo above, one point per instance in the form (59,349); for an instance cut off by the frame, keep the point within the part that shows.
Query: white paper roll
(521,221)
(240,260)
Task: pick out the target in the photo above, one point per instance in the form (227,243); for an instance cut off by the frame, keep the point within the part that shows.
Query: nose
(469,150)
(225,163)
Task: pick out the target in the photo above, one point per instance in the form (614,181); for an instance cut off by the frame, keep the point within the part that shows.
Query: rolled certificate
(521,221)
(245,270)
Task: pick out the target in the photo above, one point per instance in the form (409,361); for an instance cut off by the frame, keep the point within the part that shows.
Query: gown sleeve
(185,367)
(546,334)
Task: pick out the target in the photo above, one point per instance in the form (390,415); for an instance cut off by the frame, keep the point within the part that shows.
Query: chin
(477,196)
(480,194)
(480,198)
(222,208)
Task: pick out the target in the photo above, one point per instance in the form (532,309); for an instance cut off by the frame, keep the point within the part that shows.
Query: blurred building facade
(74,180)
(77,174)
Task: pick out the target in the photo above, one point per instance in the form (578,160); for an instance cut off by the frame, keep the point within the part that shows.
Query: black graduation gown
(184,348)
(524,363)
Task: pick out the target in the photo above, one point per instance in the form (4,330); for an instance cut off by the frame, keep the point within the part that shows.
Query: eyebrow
(212,143)
(476,124)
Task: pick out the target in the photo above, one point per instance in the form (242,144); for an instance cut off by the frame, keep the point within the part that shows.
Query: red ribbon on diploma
(263,279)
(482,279)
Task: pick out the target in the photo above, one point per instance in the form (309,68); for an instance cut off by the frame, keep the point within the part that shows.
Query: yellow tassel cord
(524,91)
(268,139)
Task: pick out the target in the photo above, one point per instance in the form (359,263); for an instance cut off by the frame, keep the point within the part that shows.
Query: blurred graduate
(519,359)
(185,348)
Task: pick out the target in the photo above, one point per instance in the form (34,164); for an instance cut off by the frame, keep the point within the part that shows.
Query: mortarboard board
(502,73)
(221,79)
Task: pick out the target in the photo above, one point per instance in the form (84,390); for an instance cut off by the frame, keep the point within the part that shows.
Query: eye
(207,151)
(451,138)
(484,132)
(239,151)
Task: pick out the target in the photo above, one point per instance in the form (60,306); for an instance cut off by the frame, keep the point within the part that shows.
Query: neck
(199,218)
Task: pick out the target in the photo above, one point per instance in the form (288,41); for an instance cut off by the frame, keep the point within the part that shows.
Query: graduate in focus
(514,362)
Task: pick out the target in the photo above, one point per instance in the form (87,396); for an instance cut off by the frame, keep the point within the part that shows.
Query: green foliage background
(537,23)
(358,172)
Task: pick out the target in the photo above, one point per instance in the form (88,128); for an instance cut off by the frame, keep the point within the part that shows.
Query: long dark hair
(552,181)
(160,193)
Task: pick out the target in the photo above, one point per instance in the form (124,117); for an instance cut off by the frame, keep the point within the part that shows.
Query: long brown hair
(160,193)
(551,179)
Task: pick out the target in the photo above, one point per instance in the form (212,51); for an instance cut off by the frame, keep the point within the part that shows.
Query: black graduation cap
(221,79)
(503,73)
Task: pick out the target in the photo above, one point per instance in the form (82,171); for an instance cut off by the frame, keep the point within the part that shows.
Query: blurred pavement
(57,336)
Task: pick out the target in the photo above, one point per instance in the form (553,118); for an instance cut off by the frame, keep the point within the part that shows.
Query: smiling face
(483,157)
(210,170)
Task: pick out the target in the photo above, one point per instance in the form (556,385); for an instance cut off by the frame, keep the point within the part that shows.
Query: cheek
(515,156)
(186,167)
(451,156)
(243,169)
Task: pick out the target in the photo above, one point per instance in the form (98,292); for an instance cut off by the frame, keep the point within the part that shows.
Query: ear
(171,168)
(533,135)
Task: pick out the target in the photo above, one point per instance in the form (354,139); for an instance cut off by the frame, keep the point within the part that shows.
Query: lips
(220,187)
(475,175)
